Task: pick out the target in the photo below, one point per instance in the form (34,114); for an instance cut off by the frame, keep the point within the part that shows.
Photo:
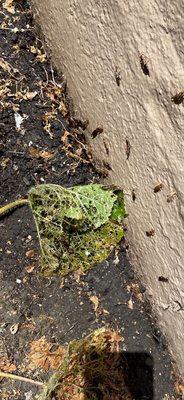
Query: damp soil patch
(41,142)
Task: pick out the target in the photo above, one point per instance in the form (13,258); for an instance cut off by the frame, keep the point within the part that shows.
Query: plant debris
(77,227)
(42,356)
(92,369)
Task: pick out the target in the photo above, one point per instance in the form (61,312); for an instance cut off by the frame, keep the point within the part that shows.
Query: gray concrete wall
(89,40)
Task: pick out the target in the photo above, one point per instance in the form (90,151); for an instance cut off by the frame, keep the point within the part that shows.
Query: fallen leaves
(42,356)
(30,253)
(95,301)
(4,65)
(35,152)
(5,364)
(8,6)
(14,329)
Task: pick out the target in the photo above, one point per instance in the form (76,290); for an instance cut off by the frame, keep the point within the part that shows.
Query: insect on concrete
(127,148)
(97,131)
(118,75)
(178,97)
(150,233)
(144,64)
(158,187)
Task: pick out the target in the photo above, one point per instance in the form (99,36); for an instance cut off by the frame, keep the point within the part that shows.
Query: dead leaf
(34,152)
(8,5)
(41,57)
(30,253)
(4,162)
(41,356)
(5,364)
(4,65)
(30,268)
(130,304)
(14,329)
(95,301)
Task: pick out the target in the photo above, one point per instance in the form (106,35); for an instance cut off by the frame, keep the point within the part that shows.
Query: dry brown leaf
(179,388)
(30,95)
(95,301)
(30,268)
(4,65)
(8,5)
(41,57)
(4,162)
(14,329)
(130,304)
(5,364)
(30,253)
(41,356)
(34,152)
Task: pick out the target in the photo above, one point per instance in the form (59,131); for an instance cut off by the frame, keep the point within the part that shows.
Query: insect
(158,187)
(128,147)
(118,76)
(178,97)
(97,131)
(144,65)
(133,195)
(106,147)
(163,279)
(150,233)
(170,196)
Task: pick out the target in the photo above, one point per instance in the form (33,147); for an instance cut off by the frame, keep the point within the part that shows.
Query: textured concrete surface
(89,41)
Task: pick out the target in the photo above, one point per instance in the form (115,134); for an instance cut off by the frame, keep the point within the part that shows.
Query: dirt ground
(42,142)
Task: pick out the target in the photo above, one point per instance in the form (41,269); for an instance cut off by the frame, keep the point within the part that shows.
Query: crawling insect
(158,187)
(128,147)
(97,131)
(170,196)
(133,195)
(150,233)
(118,76)
(178,97)
(106,147)
(144,64)
(163,279)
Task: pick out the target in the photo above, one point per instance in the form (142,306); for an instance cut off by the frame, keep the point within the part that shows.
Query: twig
(20,378)
(11,206)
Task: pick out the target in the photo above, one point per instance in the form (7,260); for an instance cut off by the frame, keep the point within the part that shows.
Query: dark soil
(59,309)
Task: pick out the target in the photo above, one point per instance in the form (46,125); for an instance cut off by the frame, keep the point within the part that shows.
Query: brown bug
(170,196)
(163,279)
(144,64)
(158,187)
(97,131)
(178,97)
(133,195)
(150,233)
(117,76)
(106,147)
(128,147)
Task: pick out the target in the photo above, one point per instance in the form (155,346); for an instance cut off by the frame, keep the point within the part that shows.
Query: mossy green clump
(77,227)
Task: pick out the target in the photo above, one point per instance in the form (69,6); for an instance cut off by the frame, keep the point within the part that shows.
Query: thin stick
(11,206)
(20,378)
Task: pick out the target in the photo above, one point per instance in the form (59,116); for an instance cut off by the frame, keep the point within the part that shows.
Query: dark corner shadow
(118,376)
